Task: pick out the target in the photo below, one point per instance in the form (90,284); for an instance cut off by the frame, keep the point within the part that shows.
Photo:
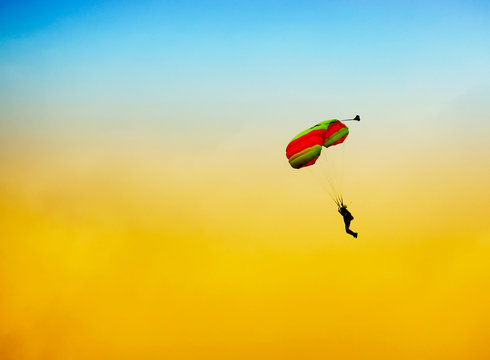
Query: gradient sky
(148,211)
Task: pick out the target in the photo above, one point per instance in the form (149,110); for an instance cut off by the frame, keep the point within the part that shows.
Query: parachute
(305,148)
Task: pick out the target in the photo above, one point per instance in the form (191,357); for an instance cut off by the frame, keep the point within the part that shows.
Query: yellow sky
(126,252)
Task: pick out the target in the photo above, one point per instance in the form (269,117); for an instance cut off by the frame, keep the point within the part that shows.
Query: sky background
(148,211)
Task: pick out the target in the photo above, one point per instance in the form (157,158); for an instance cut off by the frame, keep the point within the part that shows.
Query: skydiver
(347,219)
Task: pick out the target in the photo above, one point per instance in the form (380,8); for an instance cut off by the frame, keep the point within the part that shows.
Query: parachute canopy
(304,149)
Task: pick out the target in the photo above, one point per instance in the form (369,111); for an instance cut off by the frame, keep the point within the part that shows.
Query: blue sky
(208,61)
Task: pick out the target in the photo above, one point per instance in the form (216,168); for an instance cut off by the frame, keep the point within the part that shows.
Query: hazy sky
(148,211)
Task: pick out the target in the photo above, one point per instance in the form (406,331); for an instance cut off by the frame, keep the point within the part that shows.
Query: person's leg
(349,231)
(353,233)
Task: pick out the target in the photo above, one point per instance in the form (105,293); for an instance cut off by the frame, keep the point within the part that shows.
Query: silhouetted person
(347,219)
